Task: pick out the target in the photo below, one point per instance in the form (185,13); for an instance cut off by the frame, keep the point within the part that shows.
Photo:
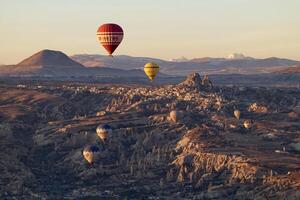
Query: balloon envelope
(89,153)
(110,36)
(174,115)
(104,131)
(248,124)
(151,69)
(237,114)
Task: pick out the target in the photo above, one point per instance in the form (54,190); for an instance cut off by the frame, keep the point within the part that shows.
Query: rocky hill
(48,58)
(44,63)
(204,153)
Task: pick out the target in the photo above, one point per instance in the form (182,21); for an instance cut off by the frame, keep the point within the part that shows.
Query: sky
(152,28)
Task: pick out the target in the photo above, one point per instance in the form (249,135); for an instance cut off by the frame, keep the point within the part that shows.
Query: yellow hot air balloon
(151,69)
(237,114)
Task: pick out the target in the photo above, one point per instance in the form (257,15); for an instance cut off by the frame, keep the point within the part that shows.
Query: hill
(48,58)
(44,63)
(49,63)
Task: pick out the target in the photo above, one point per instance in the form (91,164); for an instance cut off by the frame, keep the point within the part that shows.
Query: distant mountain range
(49,63)
(234,64)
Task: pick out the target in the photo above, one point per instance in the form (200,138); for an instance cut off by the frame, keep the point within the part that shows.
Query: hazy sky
(153,28)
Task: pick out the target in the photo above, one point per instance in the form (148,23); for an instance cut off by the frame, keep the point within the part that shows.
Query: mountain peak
(181,59)
(237,56)
(49,58)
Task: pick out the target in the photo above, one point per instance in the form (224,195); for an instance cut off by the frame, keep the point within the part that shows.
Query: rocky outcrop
(204,169)
(192,80)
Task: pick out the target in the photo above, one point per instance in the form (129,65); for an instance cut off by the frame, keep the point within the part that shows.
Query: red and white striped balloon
(110,36)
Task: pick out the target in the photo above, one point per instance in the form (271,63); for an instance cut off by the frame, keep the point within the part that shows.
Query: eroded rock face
(206,83)
(196,82)
(203,169)
(192,80)
(257,108)
(207,154)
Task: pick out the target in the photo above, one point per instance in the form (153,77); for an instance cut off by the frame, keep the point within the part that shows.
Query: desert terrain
(206,153)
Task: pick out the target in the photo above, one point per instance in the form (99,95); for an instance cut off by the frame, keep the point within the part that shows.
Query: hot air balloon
(151,69)
(237,114)
(248,124)
(174,115)
(104,131)
(90,152)
(110,36)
